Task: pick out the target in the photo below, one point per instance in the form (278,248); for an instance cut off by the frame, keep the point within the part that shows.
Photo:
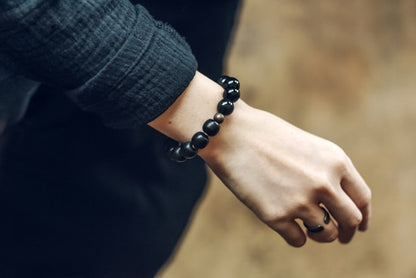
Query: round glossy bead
(225,107)
(211,127)
(232,83)
(232,94)
(223,80)
(188,151)
(219,118)
(175,154)
(200,140)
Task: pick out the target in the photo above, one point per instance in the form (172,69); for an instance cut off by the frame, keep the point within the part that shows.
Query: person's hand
(279,171)
(283,173)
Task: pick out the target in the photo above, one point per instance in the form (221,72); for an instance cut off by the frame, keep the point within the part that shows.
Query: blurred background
(346,71)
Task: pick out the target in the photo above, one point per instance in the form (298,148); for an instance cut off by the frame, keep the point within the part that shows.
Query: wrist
(228,139)
(187,150)
(204,103)
(187,114)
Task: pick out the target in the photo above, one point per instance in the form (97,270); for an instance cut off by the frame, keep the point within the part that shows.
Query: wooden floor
(345,70)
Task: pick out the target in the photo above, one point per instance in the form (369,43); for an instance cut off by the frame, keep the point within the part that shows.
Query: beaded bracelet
(188,150)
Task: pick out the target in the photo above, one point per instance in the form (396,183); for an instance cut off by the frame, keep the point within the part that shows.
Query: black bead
(232,83)
(223,80)
(188,151)
(232,94)
(225,107)
(175,154)
(211,127)
(200,140)
(219,118)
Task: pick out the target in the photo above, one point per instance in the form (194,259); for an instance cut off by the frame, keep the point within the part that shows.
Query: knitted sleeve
(112,57)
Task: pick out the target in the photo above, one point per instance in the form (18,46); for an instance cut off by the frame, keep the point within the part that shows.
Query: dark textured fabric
(15,94)
(80,200)
(206,26)
(115,59)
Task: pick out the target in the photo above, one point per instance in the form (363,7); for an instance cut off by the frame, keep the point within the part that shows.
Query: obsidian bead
(211,127)
(232,94)
(175,154)
(200,140)
(225,107)
(232,83)
(223,80)
(219,118)
(188,151)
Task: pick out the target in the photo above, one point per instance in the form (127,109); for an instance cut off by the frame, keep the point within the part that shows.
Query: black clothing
(78,199)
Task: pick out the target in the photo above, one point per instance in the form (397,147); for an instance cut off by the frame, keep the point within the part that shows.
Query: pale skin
(279,171)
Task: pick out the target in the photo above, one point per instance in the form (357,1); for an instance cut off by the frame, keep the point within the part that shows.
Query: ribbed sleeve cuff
(116,60)
(149,72)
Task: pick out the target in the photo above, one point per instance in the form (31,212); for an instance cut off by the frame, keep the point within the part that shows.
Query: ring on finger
(319,228)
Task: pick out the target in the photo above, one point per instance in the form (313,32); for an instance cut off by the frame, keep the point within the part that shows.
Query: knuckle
(273,215)
(340,164)
(366,198)
(300,202)
(338,150)
(302,207)
(340,159)
(323,187)
(354,221)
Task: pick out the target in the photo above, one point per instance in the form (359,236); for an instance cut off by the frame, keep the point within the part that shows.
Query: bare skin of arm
(279,171)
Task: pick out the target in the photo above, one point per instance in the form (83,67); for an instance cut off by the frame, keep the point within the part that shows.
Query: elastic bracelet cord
(189,149)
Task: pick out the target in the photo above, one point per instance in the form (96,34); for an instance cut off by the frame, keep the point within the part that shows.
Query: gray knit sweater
(111,57)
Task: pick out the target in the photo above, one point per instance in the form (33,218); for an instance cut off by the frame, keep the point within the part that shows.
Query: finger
(319,224)
(359,192)
(291,232)
(345,213)
(366,220)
